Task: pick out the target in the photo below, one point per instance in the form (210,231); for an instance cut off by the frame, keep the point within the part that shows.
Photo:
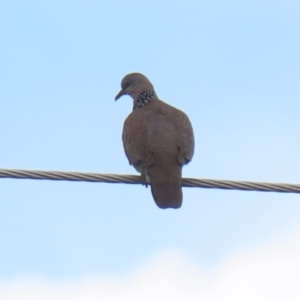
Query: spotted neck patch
(143,98)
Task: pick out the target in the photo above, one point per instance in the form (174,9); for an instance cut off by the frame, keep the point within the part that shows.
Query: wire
(132,179)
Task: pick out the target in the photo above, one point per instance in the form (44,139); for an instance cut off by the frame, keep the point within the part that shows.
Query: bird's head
(134,84)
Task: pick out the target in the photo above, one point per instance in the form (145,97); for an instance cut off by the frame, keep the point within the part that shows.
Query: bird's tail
(166,186)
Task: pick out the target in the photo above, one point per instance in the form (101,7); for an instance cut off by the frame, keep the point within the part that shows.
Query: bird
(158,140)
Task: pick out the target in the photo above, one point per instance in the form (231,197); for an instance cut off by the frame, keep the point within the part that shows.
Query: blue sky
(232,66)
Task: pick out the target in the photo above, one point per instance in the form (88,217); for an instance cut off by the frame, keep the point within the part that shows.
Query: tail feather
(167,194)
(165,181)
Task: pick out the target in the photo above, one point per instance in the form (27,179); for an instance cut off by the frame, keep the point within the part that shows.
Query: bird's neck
(143,98)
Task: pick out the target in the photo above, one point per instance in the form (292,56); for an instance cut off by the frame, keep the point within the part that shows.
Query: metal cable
(132,179)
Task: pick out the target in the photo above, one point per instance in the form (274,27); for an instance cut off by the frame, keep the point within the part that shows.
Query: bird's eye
(127,83)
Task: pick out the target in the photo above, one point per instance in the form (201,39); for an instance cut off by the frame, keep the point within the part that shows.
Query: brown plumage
(158,140)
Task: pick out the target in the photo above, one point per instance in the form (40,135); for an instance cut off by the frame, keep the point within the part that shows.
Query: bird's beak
(120,94)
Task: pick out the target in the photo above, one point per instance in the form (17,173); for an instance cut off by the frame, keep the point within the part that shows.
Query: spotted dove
(158,140)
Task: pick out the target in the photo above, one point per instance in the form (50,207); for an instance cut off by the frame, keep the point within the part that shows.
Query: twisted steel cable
(133,179)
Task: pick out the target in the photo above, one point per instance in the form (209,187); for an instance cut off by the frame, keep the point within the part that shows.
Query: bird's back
(151,136)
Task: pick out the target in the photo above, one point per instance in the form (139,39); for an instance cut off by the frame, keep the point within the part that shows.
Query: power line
(133,179)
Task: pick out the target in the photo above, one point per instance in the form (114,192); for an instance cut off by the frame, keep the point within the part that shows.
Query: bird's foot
(145,177)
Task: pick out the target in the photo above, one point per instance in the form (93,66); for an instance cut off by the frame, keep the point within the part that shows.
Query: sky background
(232,66)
